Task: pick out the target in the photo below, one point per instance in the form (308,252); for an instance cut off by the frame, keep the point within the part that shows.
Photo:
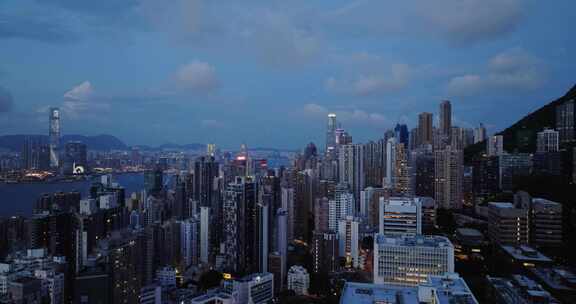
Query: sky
(266,73)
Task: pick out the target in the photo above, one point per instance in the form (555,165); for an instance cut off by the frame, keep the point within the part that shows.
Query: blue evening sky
(267,72)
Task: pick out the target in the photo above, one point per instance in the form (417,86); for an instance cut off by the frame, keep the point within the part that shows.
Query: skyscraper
(479,134)
(351,161)
(425,128)
(445,118)
(331,132)
(448,176)
(54,137)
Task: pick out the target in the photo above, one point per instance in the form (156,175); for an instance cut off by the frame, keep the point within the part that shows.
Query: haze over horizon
(267,72)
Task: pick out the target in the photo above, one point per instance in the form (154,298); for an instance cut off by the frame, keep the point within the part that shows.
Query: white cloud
(210,123)
(197,76)
(459,22)
(355,116)
(464,22)
(80,92)
(511,70)
(79,102)
(370,84)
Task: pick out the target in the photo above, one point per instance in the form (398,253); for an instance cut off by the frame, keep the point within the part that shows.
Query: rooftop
(556,278)
(525,254)
(413,240)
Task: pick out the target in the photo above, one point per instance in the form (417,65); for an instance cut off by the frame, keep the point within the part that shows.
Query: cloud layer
(197,76)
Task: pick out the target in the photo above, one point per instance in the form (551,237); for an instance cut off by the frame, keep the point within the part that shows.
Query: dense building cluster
(230,227)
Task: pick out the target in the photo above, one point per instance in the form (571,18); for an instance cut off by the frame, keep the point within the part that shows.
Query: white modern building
(256,288)
(339,208)
(166,277)
(400,215)
(448,288)
(298,280)
(409,260)
(151,294)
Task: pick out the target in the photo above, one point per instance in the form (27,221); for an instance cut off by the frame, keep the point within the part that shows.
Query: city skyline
(124,70)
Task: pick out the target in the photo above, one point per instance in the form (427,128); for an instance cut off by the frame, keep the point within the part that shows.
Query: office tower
(331,133)
(370,205)
(507,224)
(413,139)
(75,158)
(448,172)
(485,176)
(545,223)
(206,170)
(211,150)
(255,288)
(189,241)
(275,268)
(445,118)
(374,158)
(389,179)
(495,145)
(547,141)
(468,134)
(565,121)
(36,156)
(479,134)
(321,214)
(243,228)
(422,168)
(153,181)
(282,244)
(408,260)
(512,166)
(399,215)
(261,242)
(544,218)
(205,229)
(401,134)
(348,241)
(402,183)
(54,138)
(428,213)
(303,205)
(340,207)
(325,252)
(425,129)
(180,209)
(288,207)
(298,280)
(351,171)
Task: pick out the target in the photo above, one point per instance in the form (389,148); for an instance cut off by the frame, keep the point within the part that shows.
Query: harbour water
(19,199)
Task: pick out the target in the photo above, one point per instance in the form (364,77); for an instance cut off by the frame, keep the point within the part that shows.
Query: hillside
(521,136)
(98,142)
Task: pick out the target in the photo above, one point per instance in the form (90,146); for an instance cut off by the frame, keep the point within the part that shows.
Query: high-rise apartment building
(425,129)
(495,145)
(566,121)
(448,177)
(348,240)
(548,140)
(351,160)
(445,118)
